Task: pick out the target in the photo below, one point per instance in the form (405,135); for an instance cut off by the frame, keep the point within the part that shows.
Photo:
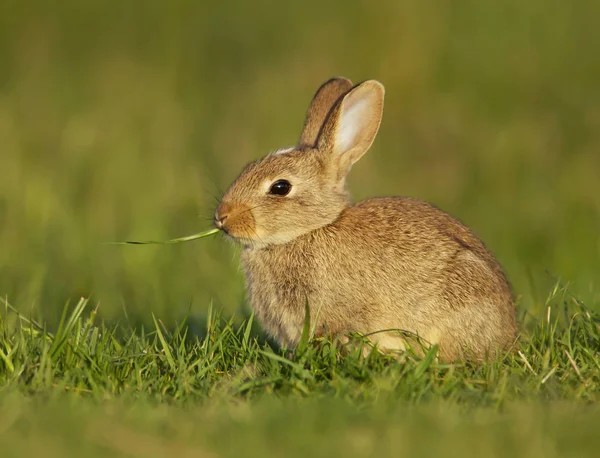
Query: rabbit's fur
(380,264)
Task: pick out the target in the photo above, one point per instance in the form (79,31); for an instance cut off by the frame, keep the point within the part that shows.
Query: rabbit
(381,264)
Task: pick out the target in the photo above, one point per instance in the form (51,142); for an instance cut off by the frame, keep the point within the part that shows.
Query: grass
(120,121)
(224,390)
(557,359)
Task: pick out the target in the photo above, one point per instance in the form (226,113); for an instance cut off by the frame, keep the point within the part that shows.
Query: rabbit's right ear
(352,125)
(319,108)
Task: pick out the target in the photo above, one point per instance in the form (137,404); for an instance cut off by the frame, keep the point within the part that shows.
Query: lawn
(226,391)
(120,121)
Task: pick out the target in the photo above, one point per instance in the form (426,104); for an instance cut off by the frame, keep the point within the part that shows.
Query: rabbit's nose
(221,215)
(220,221)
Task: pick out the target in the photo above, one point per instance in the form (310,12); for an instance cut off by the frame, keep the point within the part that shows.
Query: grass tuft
(123,383)
(557,359)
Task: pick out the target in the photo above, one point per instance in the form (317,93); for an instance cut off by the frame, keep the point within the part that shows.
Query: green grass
(122,121)
(224,391)
(557,359)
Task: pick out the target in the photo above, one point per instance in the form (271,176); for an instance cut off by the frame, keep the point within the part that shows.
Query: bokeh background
(125,119)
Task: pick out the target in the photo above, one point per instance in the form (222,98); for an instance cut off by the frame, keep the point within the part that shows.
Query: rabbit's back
(386,263)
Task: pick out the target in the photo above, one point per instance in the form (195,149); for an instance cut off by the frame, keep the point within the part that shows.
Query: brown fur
(325,97)
(383,263)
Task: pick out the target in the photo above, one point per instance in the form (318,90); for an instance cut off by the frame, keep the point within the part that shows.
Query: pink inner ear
(350,124)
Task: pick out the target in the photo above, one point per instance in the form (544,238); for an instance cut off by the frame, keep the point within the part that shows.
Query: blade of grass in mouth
(187,238)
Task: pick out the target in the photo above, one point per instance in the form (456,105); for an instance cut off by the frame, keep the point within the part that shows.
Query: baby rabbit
(377,265)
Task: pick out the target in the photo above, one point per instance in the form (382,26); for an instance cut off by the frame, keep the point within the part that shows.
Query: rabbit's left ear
(352,124)
(322,102)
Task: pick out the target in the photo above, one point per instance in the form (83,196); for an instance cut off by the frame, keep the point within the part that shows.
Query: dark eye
(280,188)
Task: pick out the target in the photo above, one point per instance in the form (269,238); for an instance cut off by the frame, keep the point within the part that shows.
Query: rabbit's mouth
(237,222)
(246,240)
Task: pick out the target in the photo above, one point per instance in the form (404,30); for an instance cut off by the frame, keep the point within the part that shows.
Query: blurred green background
(125,119)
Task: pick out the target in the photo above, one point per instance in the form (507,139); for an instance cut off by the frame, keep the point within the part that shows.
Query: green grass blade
(281,359)
(426,361)
(305,336)
(66,328)
(9,364)
(186,238)
(248,330)
(165,345)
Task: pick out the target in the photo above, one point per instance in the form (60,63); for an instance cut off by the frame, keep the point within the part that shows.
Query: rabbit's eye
(280,188)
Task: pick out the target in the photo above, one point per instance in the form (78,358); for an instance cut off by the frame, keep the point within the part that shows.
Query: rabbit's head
(293,191)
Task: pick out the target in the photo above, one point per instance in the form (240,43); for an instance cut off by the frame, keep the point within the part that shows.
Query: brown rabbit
(380,264)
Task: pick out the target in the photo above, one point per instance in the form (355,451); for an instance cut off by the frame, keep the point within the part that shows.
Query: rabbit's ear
(319,108)
(352,124)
